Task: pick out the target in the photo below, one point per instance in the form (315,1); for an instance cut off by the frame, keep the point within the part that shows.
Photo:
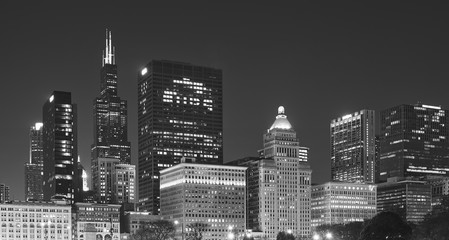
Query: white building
(342,202)
(210,194)
(96,221)
(35,220)
(289,201)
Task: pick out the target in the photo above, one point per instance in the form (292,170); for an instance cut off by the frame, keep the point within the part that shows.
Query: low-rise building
(132,221)
(35,220)
(410,199)
(96,221)
(204,193)
(342,202)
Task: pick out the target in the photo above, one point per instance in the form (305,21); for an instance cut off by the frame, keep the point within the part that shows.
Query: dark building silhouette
(60,147)
(4,193)
(111,145)
(180,114)
(34,168)
(413,142)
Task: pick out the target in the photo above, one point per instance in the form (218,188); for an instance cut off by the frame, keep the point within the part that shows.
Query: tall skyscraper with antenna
(34,168)
(111,145)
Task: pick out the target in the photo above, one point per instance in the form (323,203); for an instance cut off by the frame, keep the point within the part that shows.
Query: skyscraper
(111,145)
(293,178)
(414,141)
(180,114)
(60,147)
(353,147)
(4,193)
(34,168)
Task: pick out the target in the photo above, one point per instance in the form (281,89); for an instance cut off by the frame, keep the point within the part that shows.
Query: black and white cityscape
(202,120)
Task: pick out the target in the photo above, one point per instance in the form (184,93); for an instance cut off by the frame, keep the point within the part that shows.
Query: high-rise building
(204,193)
(4,193)
(180,114)
(34,168)
(110,127)
(60,147)
(96,221)
(410,199)
(414,141)
(36,220)
(342,202)
(293,178)
(353,148)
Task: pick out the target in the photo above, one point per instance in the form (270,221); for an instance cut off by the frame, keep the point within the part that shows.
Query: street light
(317,236)
(328,235)
(176,222)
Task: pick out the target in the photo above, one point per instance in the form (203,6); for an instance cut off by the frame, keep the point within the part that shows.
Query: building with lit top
(410,199)
(34,167)
(180,114)
(205,193)
(353,147)
(414,141)
(4,193)
(35,220)
(286,192)
(96,221)
(342,202)
(111,145)
(60,148)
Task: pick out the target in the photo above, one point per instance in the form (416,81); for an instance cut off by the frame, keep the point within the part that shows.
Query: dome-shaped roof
(281,121)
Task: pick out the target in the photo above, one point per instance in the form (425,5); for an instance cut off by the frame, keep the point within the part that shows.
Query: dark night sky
(320,60)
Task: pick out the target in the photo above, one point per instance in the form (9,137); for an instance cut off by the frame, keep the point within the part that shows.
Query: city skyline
(313,59)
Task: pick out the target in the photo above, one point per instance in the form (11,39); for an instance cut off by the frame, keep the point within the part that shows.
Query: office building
(204,193)
(60,147)
(111,145)
(34,168)
(353,148)
(289,197)
(180,114)
(124,176)
(35,220)
(342,202)
(410,199)
(133,221)
(96,221)
(414,141)
(4,193)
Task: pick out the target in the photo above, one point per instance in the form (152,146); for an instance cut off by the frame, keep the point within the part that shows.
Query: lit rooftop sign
(51,98)
(144,71)
(432,107)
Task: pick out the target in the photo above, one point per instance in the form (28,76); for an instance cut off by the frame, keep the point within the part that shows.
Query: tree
(156,230)
(435,224)
(348,231)
(195,231)
(285,236)
(386,225)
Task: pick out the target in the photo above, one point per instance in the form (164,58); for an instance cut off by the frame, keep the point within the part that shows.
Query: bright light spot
(144,71)
(38,126)
(329,235)
(346,116)
(433,107)
(51,98)
(230,227)
(289,231)
(281,110)
(316,237)
(231,235)
(176,222)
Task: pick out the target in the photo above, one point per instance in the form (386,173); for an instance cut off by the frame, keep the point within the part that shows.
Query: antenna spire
(109,52)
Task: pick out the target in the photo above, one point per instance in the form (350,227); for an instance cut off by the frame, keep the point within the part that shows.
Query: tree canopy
(386,225)
(156,230)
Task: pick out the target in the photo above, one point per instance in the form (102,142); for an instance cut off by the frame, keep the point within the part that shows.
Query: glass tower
(180,114)
(353,147)
(111,145)
(414,141)
(60,147)
(34,168)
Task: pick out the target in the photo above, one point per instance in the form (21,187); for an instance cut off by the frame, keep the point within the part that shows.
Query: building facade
(35,220)
(414,141)
(293,179)
(110,128)
(133,221)
(96,221)
(4,193)
(60,148)
(180,114)
(34,168)
(204,193)
(343,202)
(410,199)
(440,189)
(353,147)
